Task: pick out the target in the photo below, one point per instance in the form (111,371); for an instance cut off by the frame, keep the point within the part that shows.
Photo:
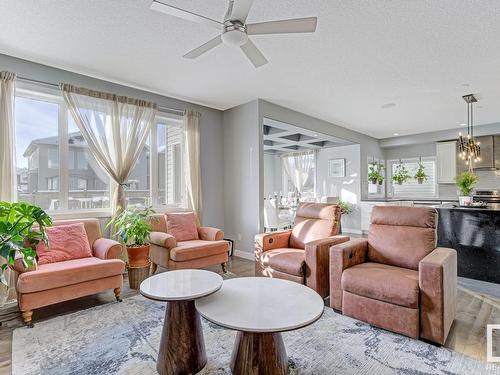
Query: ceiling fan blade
(212,43)
(240,10)
(254,54)
(185,14)
(297,25)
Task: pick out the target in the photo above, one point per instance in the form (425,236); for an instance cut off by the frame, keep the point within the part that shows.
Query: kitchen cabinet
(446,162)
(487,155)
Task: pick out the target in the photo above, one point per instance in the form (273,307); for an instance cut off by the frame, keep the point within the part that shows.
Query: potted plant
(373,173)
(420,175)
(401,174)
(133,228)
(380,177)
(466,182)
(17,234)
(345,209)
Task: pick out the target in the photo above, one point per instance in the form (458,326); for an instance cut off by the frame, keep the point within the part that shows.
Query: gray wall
(212,155)
(243,174)
(347,188)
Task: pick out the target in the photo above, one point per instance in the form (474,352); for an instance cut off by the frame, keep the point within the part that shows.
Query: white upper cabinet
(446,162)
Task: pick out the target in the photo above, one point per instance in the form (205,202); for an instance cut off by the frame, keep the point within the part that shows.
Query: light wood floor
(468,334)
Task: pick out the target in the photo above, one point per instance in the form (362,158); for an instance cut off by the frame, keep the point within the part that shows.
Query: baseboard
(244,255)
(352,231)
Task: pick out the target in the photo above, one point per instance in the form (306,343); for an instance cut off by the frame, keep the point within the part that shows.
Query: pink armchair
(166,251)
(302,253)
(51,283)
(397,279)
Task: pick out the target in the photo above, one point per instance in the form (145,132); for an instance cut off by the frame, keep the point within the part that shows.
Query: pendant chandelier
(468,148)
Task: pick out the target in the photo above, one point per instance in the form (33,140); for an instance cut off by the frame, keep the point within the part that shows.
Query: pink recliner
(302,253)
(397,279)
(46,284)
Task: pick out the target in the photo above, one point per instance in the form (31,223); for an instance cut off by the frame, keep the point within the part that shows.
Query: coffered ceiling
(375,66)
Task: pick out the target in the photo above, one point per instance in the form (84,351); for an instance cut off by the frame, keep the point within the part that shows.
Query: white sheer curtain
(297,166)
(115,129)
(193,159)
(7,166)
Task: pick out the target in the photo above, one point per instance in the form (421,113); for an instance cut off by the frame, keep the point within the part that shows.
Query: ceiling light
(463,124)
(465,84)
(395,133)
(388,105)
(468,148)
(315,135)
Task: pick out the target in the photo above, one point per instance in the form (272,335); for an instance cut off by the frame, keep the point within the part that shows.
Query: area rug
(123,338)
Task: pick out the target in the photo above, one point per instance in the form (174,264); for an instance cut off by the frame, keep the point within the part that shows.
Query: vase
(465,200)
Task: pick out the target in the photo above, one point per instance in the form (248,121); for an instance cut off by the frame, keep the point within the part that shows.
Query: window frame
(389,169)
(50,95)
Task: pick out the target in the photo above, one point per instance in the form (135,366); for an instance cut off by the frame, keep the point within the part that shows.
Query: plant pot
(373,181)
(399,182)
(420,180)
(138,256)
(380,182)
(465,200)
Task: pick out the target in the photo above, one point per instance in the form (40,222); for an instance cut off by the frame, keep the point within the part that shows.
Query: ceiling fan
(235,30)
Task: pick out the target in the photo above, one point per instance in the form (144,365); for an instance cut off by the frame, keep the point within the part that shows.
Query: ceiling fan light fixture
(234,36)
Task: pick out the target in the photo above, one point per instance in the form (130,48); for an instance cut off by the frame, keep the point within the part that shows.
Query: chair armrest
(343,256)
(210,234)
(317,263)
(163,239)
(105,248)
(274,240)
(19,267)
(437,278)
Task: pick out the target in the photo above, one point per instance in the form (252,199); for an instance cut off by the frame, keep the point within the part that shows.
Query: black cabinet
(475,234)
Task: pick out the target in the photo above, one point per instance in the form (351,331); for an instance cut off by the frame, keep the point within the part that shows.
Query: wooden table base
(259,354)
(182,348)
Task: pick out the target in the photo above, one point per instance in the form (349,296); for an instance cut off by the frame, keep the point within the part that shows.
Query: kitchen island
(475,234)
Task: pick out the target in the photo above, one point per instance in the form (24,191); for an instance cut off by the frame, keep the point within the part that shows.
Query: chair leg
(27,317)
(224,267)
(117,294)
(154,267)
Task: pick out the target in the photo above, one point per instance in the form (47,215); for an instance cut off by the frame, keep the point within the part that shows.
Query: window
(309,191)
(56,171)
(411,188)
(171,190)
(37,154)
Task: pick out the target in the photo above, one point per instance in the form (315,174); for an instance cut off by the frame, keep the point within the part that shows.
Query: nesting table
(182,348)
(259,309)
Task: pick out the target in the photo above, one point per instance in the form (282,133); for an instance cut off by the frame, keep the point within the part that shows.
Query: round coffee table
(182,348)
(259,309)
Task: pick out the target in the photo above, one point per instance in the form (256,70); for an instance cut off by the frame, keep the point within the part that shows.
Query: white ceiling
(416,54)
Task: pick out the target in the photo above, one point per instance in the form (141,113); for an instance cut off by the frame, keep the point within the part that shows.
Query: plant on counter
(375,173)
(420,175)
(466,182)
(401,174)
(345,207)
(17,234)
(133,226)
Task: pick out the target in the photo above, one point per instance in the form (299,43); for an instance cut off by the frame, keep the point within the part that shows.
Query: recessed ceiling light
(465,84)
(315,135)
(463,124)
(388,105)
(395,133)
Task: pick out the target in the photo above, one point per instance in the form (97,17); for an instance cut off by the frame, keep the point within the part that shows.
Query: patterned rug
(123,338)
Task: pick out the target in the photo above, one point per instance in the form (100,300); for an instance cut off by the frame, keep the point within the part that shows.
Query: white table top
(181,285)
(261,304)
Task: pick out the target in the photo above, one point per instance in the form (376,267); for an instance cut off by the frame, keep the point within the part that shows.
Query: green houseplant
(133,227)
(401,174)
(466,182)
(420,174)
(17,234)
(375,173)
(345,207)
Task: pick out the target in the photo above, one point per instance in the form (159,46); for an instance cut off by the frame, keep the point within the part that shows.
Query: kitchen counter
(424,200)
(475,234)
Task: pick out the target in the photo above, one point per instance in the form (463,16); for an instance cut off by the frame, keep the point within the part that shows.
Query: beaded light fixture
(468,149)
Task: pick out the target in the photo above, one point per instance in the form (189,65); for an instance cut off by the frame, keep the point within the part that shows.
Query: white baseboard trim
(244,255)
(353,231)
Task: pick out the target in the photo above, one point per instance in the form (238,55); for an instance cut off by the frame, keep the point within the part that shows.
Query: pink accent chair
(46,284)
(166,251)
(302,253)
(397,279)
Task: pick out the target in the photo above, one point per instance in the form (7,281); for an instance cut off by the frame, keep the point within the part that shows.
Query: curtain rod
(161,108)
